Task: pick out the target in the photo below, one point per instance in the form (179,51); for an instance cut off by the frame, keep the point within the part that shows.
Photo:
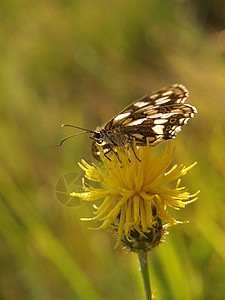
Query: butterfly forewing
(157,116)
(151,104)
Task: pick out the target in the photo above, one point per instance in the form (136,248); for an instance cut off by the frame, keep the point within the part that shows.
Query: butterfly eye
(97,135)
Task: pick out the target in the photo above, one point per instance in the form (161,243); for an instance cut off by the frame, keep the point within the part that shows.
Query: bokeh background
(81,62)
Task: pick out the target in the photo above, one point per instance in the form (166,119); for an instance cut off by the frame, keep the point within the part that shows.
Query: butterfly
(158,116)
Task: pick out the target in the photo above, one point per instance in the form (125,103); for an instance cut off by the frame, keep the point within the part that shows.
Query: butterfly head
(98,136)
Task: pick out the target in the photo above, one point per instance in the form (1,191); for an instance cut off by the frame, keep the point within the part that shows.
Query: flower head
(134,192)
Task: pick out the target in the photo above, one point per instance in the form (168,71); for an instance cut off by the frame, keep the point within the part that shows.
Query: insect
(157,116)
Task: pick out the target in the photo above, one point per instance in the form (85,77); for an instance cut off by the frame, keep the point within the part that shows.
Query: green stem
(143,259)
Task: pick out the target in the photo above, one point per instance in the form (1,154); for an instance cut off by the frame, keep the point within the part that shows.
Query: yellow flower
(134,192)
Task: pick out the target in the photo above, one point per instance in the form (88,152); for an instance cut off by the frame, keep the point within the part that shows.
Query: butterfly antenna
(71,137)
(86,130)
(68,125)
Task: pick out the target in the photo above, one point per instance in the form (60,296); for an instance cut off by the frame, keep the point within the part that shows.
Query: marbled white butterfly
(157,116)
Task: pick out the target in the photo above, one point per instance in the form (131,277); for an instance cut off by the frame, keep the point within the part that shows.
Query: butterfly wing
(161,125)
(176,93)
(158,116)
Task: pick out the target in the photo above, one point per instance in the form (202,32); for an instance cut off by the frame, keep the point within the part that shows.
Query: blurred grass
(80,62)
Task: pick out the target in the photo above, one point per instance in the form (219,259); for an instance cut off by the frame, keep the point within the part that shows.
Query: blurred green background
(81,62)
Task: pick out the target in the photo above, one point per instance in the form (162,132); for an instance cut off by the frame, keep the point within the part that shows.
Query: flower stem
(143,259)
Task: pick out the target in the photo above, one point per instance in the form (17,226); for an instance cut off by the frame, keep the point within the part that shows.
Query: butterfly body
(157,116)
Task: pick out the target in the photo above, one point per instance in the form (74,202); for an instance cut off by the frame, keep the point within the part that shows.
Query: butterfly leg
(111,149)
(132,147)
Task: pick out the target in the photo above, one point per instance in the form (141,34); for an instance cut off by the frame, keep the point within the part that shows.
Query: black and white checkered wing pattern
(157,116)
